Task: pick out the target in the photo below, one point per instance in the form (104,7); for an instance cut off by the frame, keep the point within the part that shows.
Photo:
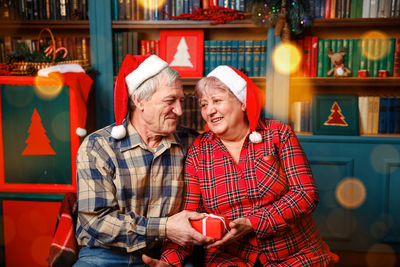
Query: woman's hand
(239,228)
(153,262)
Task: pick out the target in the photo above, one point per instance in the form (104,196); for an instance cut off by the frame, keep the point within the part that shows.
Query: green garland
(298,14)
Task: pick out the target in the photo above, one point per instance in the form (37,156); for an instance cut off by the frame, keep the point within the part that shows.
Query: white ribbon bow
(212,216)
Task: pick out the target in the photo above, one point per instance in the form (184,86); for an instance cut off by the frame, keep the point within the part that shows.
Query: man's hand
(180,231)
(153,262)
(239,228)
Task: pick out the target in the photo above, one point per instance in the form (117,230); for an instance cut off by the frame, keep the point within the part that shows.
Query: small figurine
(339,70)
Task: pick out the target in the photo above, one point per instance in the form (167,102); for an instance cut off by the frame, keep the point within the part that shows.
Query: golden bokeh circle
(286,58)
(152,4)
(351,193)
(369,49)
(48,88)
(380,255)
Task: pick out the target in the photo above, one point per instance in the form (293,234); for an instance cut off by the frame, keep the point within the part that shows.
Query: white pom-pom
(80,131)
(118,132)
(255,137)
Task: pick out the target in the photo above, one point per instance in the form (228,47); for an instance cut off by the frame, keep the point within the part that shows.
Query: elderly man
(130,175)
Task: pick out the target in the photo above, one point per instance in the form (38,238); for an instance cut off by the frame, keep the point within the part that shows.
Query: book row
(370,55)
(248,56)
(26,49)
(44,9)
(330,9)
(377,115)
(150,10)
(191,116)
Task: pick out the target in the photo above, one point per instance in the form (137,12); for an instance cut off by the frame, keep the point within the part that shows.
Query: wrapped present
(211,225)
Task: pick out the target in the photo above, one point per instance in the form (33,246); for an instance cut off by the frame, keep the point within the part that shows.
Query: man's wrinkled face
(162,110)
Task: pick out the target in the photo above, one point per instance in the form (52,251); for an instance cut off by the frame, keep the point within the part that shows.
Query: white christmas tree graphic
(182,56)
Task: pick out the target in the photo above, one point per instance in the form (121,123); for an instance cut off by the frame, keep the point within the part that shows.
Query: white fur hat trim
(80,131)
(231,79)
(118,132)
(61,68)
(150,67)
(255,137)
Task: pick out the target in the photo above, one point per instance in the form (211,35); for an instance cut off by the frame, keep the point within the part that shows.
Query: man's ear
(138,104)
(243,107)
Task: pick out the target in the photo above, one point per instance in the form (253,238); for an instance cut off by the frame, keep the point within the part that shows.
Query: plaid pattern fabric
(272,185)
(126,190)
(63,249)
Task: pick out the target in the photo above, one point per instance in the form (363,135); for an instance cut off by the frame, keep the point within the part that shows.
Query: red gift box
(211,225)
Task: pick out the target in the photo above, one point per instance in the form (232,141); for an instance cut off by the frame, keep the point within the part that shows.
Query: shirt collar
(133,139)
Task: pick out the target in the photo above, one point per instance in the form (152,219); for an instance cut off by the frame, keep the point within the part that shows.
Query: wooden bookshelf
(179,24)
(356,22)
(347,81)
(39,24)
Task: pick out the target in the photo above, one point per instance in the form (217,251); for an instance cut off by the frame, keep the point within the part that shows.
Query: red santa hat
(247,93)
(74,76)
(133,72)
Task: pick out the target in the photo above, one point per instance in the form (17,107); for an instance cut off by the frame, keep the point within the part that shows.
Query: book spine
(248,62)
(365,9)
(373,9)
(206,57)
(235,51)
(218,51)
(228,48)
(376,56)
(350,56)
(241,47)
(363,53)
(383,115)
(391,114)
(263,60)
(363,113)
(320,68)
(390,56)
(396,58)
(384,52)
(307,56)
(314,56)
(327,13)
(256,57)
(224,52)
(213,54)
(326,62)
(128,9)
(397,116)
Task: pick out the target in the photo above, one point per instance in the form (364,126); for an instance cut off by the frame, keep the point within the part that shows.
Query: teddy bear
(339,70)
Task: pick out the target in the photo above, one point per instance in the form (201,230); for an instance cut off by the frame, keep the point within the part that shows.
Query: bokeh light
(18,97)
(286,58)
(378,156)
(48,88)
(11,232)
(351,193)
(59,126)
(378,229)
(38,254)
(152,4)
(380,255)
(372,37)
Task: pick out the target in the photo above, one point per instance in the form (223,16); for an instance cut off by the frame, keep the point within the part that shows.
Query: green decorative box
(335,114)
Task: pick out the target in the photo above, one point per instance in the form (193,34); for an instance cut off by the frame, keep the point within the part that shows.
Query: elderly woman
(254,172)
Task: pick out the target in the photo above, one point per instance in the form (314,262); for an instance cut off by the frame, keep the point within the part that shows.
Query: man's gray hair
(147,88)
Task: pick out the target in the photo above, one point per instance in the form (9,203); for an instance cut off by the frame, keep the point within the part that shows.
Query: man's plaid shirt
(272,186)
(125,190)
